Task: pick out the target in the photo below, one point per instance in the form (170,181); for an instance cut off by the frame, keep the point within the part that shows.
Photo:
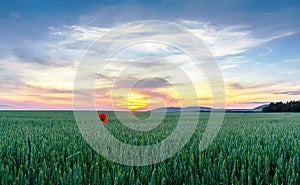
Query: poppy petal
(103,117)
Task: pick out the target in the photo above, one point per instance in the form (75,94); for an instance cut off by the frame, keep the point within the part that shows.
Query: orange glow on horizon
(137,101)
(243,96)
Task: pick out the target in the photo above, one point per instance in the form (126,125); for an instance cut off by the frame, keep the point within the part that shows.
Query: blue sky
(262,15)
(256,44)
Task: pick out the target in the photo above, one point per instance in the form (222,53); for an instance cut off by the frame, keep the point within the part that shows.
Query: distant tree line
(291,106)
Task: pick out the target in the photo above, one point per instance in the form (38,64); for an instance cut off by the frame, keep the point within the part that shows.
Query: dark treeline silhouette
(291,106)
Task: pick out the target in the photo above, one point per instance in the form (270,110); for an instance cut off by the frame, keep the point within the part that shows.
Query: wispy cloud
(222,40)
(257,86)
(26,56)
(4,106)
(230,40)
(296,92)
(146,83)
(76,37)
(267,50)
(256,102)
(293,60)
(15,15)
(236,86)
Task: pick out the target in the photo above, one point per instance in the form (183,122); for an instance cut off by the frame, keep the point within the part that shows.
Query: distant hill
(184,109)
(205,109)
(256,109)
(167,109)
(260,108)
(196,109)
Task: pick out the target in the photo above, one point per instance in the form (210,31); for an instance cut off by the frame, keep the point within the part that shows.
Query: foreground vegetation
(46,147)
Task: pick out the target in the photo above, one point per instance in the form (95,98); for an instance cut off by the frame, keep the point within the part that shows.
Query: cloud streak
(296,92)
(15,15)
(230,40)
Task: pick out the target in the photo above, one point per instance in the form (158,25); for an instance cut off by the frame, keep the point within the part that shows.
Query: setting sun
(136,101)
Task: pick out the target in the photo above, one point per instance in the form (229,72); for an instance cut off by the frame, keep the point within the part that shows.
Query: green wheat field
(46,147)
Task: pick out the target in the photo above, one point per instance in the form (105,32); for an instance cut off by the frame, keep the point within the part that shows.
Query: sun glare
(137,101)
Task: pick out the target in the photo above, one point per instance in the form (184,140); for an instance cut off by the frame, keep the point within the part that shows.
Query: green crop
(46,147)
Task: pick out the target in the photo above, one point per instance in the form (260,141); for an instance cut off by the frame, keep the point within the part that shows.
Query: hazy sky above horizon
(255,43)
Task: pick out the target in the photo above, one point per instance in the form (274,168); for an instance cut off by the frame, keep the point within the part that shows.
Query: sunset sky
(255,43)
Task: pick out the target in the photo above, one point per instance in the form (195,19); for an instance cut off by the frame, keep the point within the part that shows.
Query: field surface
(46,147)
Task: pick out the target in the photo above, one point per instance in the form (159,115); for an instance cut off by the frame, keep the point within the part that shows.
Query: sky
(256,45)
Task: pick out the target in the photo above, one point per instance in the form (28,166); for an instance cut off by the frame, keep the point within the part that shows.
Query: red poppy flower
(103,117)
